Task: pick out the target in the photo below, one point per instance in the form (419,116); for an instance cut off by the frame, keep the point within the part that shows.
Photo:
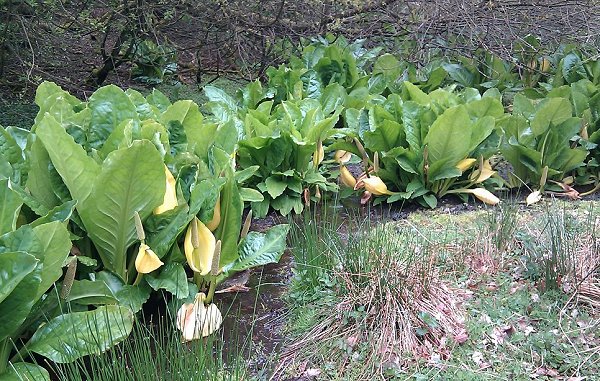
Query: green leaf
(163,229)
(77,169)
(332,97)
(16,306)
(430,200)
(389,66)
(9,147)
(199,135)
(52,99)
(572,68)
(159,100)
(416,95)
(246,173)
(56,245)
(449,137)
(385,133)
(71,336)
(40,182)
(231,220)
(414,124)
(88,292)
(251,195)
(481,130)
(275,186)
(459,73)
(109,107)
(214,94)
(22,371)
(172,278)
(550,111)
(132,180)
(133,297)
(252,94)
(13,268)
(259,249)
(60,213)
(487,106)
(10,206)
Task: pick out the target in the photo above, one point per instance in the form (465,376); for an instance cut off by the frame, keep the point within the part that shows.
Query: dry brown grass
(408,310)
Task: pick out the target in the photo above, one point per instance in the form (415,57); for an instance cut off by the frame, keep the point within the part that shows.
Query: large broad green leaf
(449,137)
(572,68)
(252,94)
(486,106)
(416,95)
(481,130)
(275,186)
(132,180)
(52,99)
(132,297)
(203,198)
(121,136)
(158,100)
(413,121)
(10,206)
(22,371)
(186,114)
(77,169)
(87,292)
(332,97)
(110,106)
(56,244)
(13,268)
(259,249)
(231,220)
(388,66)
(459,73)
(60,213)
(144,109)
(39,181)
(73,335)
(214,94)
(550,111)
(163,229)
(569,159)
(384,135)
(9,147)
(172,278)
(251,195)
(15,308)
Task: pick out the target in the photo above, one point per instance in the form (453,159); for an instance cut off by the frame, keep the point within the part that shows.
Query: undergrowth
(504,293)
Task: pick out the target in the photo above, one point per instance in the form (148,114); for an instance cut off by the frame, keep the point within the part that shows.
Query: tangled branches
(100,40)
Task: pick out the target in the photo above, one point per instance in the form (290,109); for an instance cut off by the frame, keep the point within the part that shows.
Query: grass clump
(384,303)
(154,351)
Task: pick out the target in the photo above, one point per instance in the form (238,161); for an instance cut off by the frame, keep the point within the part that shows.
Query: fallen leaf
(351,341)
(461,337)
(312,372)
(477,357)
(533,198)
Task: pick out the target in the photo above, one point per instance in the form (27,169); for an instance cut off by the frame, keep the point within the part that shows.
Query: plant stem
(595,189)
(211,290)
(198,280)
(138,279)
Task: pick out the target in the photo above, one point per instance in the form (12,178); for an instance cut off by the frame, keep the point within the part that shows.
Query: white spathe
(196,320)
